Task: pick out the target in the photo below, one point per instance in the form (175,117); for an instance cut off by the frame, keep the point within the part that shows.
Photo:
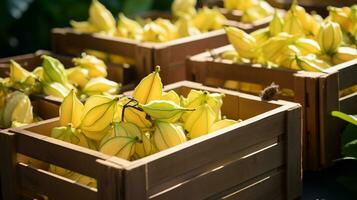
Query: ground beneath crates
(337,182)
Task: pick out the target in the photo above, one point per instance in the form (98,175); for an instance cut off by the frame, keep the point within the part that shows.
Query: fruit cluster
(187,22)
(16,110)
(51,78)
(134,127)
(252,9)
(298,41)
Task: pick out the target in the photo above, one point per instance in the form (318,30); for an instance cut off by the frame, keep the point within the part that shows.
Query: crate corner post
(109,185)
(294,153)
(136,183)
(8,166)
(329,101)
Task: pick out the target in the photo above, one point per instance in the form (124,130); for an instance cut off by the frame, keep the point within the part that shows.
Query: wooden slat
(188,85)
(170,55)
(43,127)
(191,66)
(311,123)
(227,176)
(247,73)
(269,186)
(45,109)
(225,160)
(247,107)
(109,180)
(348,103)
(21,57)
(135,183)
(234,15)
(124,47)
(7,166)
(165,168)
(57,152)
(169,74)
(293,154)
(56,187)
(144,61)
(300,96)
(180,51)
(184,40)
(347,73)
(329,127)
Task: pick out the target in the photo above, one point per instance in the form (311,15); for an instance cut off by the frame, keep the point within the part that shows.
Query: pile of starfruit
(186,21)
(132,127)
(51,78)
(253,10)
(299,40)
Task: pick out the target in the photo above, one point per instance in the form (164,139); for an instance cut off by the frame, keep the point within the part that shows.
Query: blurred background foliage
(25,25)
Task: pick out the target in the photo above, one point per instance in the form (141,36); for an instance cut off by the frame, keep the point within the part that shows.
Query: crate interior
(236,107)
(45,109)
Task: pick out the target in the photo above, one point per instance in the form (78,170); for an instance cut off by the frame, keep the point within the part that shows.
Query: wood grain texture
(144,60)
(227,176)
(56,187)
(98,42)
(109,185)
(45,109)
(169,55)
(135,183)
(56,152)
(165,168)
(293,154)
(312,135)
(347,72)
(348,103)
(247,73)
(330,129)
(300,96)
(267,186)
(7,166)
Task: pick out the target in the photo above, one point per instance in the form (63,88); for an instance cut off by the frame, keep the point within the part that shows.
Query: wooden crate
(234,17)
(320,7)
(254,159)
(309,5)
(169,55)
(45,110)
(335,80)
(118,73)
(308,90)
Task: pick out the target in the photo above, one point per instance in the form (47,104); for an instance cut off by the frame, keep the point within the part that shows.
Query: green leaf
(349,141)
(350,149)
(349,118)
